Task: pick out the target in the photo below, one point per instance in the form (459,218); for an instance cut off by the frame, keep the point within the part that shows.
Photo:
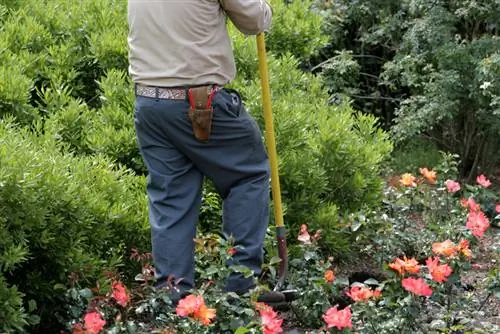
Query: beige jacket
(185,42)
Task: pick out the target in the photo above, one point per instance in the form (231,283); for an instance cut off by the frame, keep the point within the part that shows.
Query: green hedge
(329,156)
(72,180)
(61,214)
(296,29)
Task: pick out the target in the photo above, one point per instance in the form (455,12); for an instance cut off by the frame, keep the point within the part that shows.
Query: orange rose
(446,248)
(407,180)
(463,248)
(405,265)
(329,276)
(477,223)
(363,293)
(439,273)
(194,306)
(429,175)
(416,286)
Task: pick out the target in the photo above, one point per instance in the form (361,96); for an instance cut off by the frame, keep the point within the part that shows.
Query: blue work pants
(234,158)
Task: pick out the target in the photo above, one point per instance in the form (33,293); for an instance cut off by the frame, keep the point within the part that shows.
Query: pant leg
(246,201)
(236,160)
(174,192)
(245,218)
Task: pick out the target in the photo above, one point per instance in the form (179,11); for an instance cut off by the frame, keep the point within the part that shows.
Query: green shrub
(453,94)
(210,210)
(13,316)
(428,69)
(69,203)
(68,43)
(61,214)
(328,155)
(15,86)
(69,119)
(296,28)
(112,131)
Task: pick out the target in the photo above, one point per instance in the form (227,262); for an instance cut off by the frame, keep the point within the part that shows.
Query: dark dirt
(486,259)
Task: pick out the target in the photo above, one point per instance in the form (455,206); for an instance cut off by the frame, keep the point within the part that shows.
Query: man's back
(185,42)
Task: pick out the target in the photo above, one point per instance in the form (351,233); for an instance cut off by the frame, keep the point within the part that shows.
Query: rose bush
(420,291)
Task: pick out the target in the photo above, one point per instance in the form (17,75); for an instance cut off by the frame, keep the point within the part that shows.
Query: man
(188,126)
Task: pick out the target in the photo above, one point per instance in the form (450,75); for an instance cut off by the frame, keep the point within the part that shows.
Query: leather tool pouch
(201,111)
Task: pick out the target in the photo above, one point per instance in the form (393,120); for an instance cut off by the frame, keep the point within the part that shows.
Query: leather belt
(166,93)
(161,92)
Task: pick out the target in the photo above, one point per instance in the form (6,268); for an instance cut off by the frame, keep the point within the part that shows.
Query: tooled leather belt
(166,93)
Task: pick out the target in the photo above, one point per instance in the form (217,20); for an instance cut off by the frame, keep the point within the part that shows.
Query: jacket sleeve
(251,17)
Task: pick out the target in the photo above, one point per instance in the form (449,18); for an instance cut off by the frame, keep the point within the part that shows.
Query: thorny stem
(448,305)
(376,98)
(447,202)
(411,207)
(299,318)
(410,315)
(372,325)
(368,56)
(450,221)
(353,56)
(477,158)
(484,301)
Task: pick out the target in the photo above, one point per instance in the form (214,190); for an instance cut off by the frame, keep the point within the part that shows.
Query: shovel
(278,295)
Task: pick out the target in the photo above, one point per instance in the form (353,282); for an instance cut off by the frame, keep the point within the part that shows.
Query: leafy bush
(60,215)
(15,86)
(430,67)
(13,316)
(329,156)
(111,131)
(297,29)
(69,121)
(452,93)
(66,43)
(63,76)
(413,154)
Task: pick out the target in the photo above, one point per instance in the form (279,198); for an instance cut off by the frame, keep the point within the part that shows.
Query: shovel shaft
(282,253)
(273,160)
(268,120)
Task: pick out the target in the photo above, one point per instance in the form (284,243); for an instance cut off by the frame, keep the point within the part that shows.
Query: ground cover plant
(74,235)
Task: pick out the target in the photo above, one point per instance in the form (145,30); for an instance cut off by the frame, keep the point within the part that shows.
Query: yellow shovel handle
(268,120)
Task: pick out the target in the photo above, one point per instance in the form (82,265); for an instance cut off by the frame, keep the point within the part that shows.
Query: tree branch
(353,56)
(369,56)
(392,99)
(370,75)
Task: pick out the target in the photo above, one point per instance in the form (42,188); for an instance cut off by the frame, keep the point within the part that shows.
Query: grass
(412,155)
